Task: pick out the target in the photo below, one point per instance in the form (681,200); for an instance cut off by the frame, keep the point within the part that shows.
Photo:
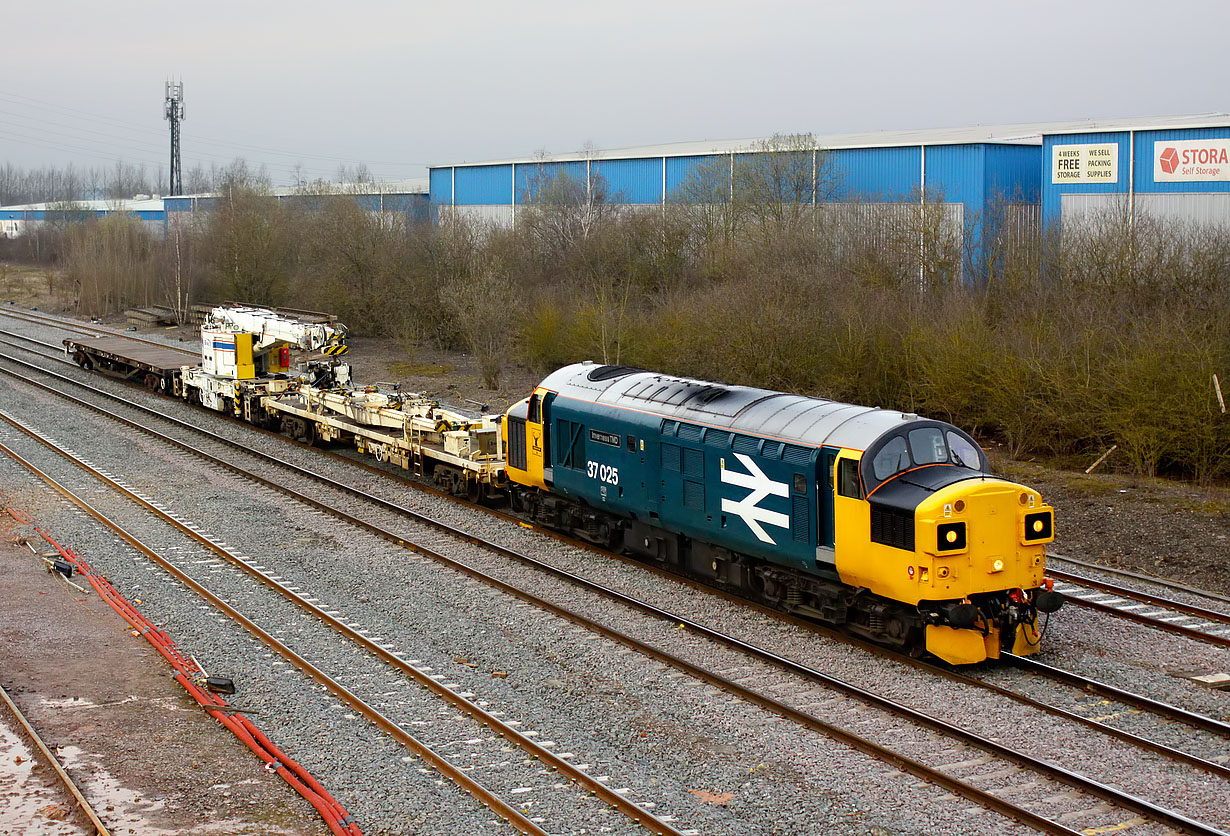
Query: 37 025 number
(602,472)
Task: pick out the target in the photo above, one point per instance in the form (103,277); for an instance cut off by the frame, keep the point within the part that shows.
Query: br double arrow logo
(748,507)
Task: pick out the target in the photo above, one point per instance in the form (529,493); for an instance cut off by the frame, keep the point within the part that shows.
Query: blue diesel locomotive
(885,524)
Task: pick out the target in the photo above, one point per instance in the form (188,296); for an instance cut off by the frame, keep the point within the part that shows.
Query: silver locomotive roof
(794,418)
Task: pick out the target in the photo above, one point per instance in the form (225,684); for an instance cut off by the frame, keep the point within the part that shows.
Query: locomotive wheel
(516,501)
(475,491)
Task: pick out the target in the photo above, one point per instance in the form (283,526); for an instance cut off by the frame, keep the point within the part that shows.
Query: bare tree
(247,240)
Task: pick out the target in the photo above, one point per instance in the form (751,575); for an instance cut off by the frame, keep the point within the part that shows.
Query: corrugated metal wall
(631,181)
(484,184)
(873,174)
(533,176)
(1013,174)
(678,169)
(441,185)
(955,175)
(1052,193)
(962,173)
(1209,209)
(1146,142)
(498,216)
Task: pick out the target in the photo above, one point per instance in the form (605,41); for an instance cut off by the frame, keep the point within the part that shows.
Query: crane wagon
(284,373)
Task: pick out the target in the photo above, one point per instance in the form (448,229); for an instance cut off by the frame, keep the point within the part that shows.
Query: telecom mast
(174,112)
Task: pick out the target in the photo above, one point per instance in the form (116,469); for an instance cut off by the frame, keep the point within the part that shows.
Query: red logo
(1169,160)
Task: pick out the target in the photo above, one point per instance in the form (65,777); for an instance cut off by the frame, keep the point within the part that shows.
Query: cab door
(547,469)
(525,439)
(534,440)
(826,491)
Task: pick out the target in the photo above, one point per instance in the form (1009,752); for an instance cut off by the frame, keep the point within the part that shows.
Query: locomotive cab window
(927,446)
(920,446)
(847,479)
(535,410)
(964,451)
(893,458)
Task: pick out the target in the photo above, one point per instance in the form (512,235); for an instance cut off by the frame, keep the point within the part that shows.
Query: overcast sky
(400,85)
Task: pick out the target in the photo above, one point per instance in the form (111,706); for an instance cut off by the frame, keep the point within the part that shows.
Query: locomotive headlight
(1038,527)
(997,565)
(950,537)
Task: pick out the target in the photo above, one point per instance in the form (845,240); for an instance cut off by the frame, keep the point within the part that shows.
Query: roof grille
(611,372)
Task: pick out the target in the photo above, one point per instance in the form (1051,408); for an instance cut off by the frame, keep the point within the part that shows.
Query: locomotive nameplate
(609,439)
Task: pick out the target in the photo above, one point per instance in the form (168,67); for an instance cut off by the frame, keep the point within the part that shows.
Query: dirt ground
(150,761)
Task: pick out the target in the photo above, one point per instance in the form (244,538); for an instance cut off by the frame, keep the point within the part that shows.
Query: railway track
(845,691)
(1169,615)
(1160,613)
(356,682)
(92,330)
(1152,580)
(1211,625)
(80,802)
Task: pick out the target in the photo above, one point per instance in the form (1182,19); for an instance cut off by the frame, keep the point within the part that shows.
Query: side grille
(797,455)
(799,523)
(693,495)
(693,463)
(746,444)
(516,443)
(689,432)
(892,527)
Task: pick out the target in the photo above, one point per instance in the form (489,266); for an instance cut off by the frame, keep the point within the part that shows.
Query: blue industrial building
(16,220)
(967,166)
(406,198)
(1027,177)
(966,172)
(1169,169)
(1008,172)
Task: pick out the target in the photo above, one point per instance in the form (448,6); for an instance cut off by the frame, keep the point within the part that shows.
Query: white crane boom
(271,327)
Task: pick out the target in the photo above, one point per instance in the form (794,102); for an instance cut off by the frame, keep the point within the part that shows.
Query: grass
(26,286)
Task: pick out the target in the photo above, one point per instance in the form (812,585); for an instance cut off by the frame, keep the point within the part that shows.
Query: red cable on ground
(189,674)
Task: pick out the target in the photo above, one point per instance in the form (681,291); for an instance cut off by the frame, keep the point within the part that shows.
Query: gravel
(637,725)
(660,734)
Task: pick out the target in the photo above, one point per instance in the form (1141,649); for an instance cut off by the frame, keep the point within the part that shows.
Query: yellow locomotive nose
(986,540)
(993,543)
